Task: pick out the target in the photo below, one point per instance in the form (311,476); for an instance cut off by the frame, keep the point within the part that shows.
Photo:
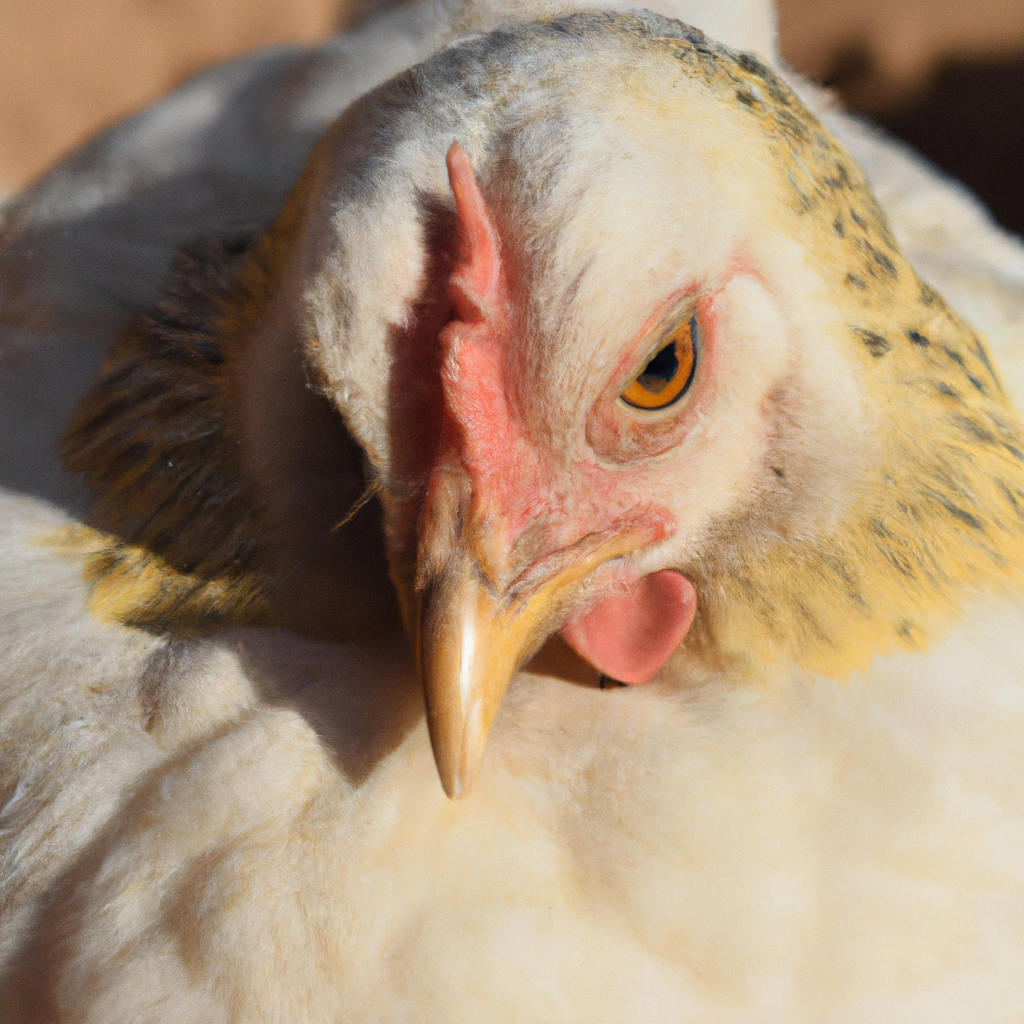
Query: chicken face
(584,454)
(611,315)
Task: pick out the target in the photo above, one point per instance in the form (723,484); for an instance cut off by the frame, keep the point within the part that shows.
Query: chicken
(593,322)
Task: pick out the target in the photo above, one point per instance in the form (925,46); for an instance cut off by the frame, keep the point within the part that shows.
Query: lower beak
(472,640)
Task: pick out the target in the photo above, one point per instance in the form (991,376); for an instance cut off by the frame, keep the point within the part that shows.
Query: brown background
(945,74)
(68,67)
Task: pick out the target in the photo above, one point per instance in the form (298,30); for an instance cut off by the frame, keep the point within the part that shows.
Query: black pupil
(660,370)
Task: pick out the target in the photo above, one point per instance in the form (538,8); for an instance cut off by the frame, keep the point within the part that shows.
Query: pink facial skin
(527,503)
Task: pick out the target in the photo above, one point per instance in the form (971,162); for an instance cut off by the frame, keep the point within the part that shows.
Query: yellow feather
(129,585)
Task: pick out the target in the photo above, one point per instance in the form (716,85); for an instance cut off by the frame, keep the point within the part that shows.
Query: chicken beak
(469,648)
(473,639)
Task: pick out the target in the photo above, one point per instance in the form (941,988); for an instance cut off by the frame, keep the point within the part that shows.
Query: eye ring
(668,373)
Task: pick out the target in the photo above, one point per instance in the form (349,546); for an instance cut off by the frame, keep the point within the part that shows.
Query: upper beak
(472,638)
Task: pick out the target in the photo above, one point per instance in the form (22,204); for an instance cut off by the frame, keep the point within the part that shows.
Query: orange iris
(669,373)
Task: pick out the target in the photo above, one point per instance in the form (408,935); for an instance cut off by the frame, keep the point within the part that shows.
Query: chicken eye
(668,375)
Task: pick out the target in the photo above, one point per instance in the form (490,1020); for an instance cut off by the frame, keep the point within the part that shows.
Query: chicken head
(633,357)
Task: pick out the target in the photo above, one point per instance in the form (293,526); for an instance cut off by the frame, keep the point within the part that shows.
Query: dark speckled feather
(151,436)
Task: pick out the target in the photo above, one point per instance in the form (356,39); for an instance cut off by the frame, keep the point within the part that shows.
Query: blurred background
(946,75)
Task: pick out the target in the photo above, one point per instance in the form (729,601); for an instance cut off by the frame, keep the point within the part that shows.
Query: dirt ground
(69,67)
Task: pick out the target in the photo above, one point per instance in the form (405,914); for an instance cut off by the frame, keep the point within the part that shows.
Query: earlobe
(630,636)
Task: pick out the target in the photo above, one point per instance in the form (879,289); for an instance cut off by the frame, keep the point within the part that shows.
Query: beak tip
(457,773)
(455,789)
